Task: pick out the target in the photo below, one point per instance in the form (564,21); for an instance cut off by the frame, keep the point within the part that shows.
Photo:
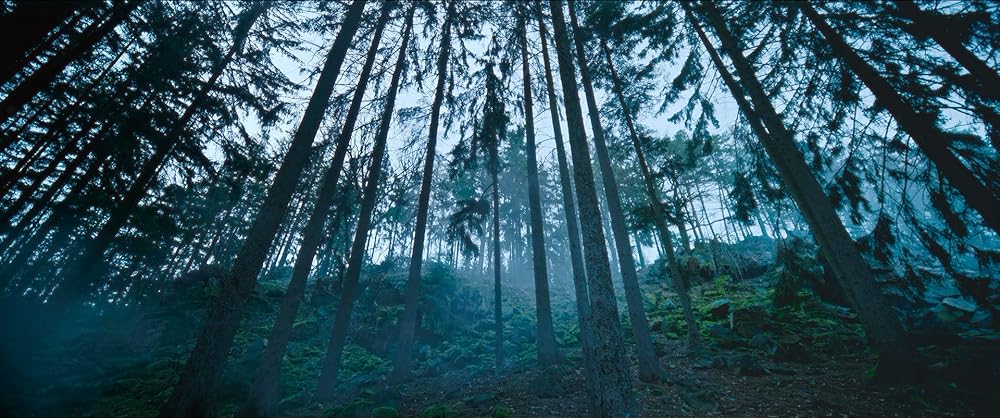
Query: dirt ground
(830,387)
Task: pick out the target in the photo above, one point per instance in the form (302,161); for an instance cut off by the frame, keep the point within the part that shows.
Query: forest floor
(837,387)
(810,358)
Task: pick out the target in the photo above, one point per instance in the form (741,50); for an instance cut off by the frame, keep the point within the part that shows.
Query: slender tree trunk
(659,212)
(615,274)
(407,321)
(21,95)
(649,365)
(497,263)
(898,358)
(638,252)
(200,376)
(263,396)
(931,140)
(546,340)
(615,395)
(349,290)
(580,286)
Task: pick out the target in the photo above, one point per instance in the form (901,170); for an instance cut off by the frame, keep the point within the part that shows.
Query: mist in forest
(499,208)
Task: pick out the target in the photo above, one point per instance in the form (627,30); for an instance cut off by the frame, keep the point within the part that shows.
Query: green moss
(438,410)
(385,411)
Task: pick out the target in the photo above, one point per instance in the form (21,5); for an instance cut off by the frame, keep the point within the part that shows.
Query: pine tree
(39,79)
(580,285)
(408,319)
(350,287)
(849,268)
(546,340)
(659,212)
(649,369)
(263,396)
(35,23)
(200,376)
(931,139)
(81,274)
(615,395)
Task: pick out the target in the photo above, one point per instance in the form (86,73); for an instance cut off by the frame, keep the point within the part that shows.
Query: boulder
(718,309)
(764,342)
(725,337)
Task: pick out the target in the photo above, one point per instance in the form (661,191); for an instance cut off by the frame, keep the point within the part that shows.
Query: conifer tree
(263,396)
(402,362)
(649,369)
(615,387)
(546,340)
(350,287)
(849,268)
(200,376)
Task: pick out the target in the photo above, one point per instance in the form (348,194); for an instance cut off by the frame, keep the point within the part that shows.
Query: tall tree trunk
(659,212)
(615,395)
(546,340)
(898,358)
(649,365)
(81,274)
(407,321)
(263,395)
(44,75)
(349,288)
(494,168)
(580,286)
(931,140)
(200,376)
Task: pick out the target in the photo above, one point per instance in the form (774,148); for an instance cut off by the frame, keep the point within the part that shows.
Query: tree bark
(350,286)
(580,285)
(898,358)
(659,212)
(615,395)
(408,320)
(546,340)
(201,374)
(649,365)
(263,396)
